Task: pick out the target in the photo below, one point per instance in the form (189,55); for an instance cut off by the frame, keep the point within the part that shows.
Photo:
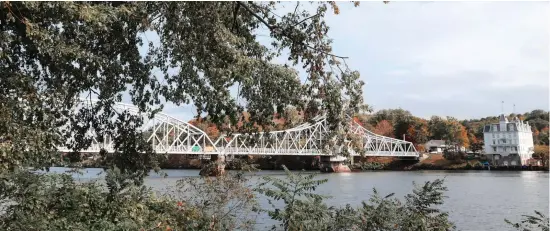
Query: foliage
(384,128)
(305,210)
(418,133)
(57,202)
(96,54)
(57,56)
(532,222)
(371,166)
(541,152)
(476,147)
(302,209)
(453,155)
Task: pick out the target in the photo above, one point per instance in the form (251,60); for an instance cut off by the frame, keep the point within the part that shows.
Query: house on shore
(509,143)
(435,146)
(438,146)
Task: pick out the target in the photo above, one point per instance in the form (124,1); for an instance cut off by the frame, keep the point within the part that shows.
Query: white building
(438,146)
(508,143)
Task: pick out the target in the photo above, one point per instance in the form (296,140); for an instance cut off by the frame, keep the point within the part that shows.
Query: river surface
(477,200)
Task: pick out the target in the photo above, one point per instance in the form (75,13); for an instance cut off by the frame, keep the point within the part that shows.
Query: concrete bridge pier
(215,167)
(334,164)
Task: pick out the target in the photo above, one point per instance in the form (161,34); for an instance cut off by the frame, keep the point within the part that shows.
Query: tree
(543,137)
(399,118)
(384,128)
(54,53)
(303,209)
(293,117)
(418,131)
(476,147)
(463,139)
(536,136)
(541,152)
(438,128)
(96,53)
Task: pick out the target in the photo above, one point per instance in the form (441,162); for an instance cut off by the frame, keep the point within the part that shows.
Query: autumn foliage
(384,128)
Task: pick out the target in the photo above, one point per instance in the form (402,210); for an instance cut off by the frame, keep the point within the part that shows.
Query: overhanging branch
(283,32)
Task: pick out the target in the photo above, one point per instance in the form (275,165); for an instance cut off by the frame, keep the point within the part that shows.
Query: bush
(56,202)
(365,166)
(456,156)
(33,201)
(305,210)
(537,222)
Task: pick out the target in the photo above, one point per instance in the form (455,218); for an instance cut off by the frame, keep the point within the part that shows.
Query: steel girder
(169,135)
(308,140)
(166,134)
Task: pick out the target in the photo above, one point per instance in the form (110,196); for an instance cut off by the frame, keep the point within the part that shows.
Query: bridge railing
(173,136)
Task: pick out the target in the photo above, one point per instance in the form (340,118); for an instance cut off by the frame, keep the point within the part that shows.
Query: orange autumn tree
(418,133)
(456,133)
(384,128)
(463,137)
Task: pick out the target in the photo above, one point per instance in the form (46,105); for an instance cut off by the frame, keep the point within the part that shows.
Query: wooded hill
(399,123)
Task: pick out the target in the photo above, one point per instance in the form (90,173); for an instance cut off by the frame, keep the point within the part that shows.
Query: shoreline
(432,162)
(420,167)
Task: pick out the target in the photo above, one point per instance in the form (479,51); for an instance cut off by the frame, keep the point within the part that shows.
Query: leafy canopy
(53,53)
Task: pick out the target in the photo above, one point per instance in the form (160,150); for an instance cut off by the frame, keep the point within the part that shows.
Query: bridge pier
(334,164)
(216,167)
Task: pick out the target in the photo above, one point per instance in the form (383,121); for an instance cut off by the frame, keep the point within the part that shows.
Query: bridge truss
(169,135)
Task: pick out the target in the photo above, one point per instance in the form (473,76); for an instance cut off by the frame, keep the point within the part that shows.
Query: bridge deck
(172,136)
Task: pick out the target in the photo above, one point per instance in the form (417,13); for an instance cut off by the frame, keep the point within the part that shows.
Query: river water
(477,200)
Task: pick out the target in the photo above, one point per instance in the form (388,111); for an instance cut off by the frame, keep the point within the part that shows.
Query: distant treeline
(399,123)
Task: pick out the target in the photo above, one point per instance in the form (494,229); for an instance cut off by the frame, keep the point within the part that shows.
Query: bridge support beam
(333,164)
(216,167)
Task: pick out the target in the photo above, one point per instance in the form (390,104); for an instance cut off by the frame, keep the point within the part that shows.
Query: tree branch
(271,28)
(305,20)
(237,6)
(254,14)
(296,9)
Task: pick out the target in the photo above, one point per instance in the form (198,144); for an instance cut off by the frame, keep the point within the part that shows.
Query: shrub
(305,210)
(456,156)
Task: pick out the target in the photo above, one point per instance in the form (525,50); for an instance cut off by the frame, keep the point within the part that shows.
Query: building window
(513,163)
(494,149)
(497,157)
(493,135)
(516,149)
(505,163)
(494,142)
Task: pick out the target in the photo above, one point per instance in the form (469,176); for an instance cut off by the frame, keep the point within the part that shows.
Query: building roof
(432,143)
(502,118)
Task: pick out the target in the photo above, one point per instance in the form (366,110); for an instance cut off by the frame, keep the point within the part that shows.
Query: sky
(457,59)
(448,58)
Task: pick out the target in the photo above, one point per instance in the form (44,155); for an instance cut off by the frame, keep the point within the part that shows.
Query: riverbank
(431,162)
(438,162)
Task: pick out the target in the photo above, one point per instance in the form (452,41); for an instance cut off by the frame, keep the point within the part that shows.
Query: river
(477,200)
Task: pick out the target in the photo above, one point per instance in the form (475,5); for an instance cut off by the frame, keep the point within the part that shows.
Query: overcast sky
(448,58)
(444,58)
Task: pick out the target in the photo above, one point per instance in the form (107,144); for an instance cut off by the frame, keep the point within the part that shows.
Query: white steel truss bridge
(169,135)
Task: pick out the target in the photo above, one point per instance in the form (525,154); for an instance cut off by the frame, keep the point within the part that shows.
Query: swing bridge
(169,135)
